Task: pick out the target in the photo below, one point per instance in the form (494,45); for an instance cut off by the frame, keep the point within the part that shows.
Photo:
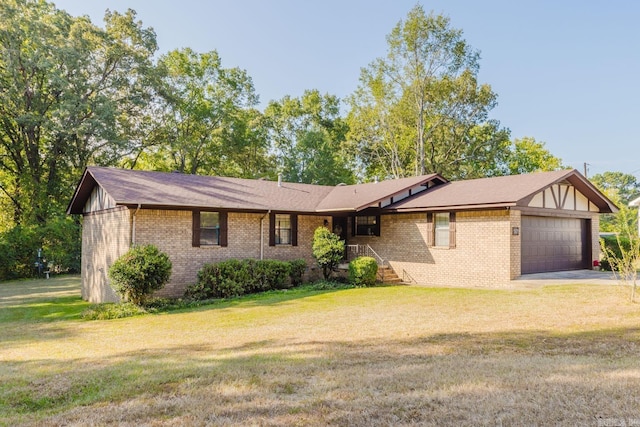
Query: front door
(340,226)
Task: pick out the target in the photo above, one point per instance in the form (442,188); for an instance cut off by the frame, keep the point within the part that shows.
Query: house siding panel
(105,237)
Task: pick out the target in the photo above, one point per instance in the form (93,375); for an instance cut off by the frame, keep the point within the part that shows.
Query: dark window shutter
(294,230)
(430,236)
(223,218)
(376,231)
(452,230)
(353,226)
(195,229)
(272,229)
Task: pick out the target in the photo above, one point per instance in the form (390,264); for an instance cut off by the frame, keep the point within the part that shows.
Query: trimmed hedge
(232,278)
(298,266)
(363,271)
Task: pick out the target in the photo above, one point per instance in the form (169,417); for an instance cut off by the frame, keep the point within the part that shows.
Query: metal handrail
(405,275)
(366,250)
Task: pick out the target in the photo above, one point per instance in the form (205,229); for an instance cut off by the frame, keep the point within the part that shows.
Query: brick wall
(171,232)
(105,237)
(481,256)
(595,237)
(515,258)
(486,252)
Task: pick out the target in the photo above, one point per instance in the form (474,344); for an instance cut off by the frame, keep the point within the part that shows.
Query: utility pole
(585,169)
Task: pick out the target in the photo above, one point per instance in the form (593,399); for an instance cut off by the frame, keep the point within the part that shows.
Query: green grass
(556,355)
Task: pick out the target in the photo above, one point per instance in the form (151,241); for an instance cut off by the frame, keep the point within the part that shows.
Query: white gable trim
(563,197)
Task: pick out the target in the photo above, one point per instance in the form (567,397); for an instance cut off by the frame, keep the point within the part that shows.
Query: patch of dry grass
(383,356)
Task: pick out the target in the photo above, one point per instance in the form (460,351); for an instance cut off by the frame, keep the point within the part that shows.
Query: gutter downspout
(133,225)
(262,234)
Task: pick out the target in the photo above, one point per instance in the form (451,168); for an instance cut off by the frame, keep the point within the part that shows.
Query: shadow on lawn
(29,291)
(515,378)
(268,298)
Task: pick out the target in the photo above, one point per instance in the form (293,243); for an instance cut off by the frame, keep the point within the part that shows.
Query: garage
(554,244)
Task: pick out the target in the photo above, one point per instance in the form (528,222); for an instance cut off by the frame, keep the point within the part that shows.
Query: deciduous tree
(309,138)
(528,155)
(621,188)
(418,109)
(208,124)
(68,89)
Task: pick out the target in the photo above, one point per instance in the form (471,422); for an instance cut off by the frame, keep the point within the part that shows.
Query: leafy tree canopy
(622,186)
(421,108)
(528,155)
(309,139)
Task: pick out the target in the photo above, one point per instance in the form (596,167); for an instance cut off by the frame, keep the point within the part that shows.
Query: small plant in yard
(328,250)
(140,272)
(622,253)
(112,311)
(363,271)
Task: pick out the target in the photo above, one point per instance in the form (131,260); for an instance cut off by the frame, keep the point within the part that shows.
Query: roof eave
(500,205)
(80,191)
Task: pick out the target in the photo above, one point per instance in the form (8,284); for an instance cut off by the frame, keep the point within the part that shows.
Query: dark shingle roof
(176,190)
(512,190)
(162,189)
(182,191)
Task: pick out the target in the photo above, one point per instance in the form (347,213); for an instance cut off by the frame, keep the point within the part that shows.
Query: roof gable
(502,191)
(361,196)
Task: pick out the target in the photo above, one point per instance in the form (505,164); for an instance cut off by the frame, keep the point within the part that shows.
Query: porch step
(388,276)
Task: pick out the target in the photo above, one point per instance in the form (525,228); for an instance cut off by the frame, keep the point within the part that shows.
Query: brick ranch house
(428,230)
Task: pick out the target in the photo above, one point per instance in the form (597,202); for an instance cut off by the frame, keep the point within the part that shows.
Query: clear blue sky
(566,71)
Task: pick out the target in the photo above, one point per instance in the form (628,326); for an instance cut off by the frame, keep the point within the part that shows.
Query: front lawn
(558,355)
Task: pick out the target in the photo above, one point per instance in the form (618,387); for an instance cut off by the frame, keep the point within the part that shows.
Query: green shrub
(220,280)
(140,272)
(610,245)
(234,278)
(328,250)
(274,274)
(363,271)
(298,266)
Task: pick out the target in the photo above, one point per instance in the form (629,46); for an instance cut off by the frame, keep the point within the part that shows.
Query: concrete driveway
(566,277)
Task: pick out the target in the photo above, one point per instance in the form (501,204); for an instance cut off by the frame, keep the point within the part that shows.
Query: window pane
(209,236)
(283,237)
(209,228)
(209,219)
(283,229)
(441,229)
(366,225)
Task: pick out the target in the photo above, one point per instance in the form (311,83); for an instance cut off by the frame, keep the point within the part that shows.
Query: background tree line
(73,94)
